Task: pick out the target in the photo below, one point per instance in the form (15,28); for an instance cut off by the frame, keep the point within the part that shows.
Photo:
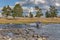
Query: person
(37,24)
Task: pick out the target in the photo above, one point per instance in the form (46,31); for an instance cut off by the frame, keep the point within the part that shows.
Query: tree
(14,15)
(38,14)
(47,14)
(31,15)
(17,10)
(6,11)
(37,8)
(9,10)
(53,11)
(38,11)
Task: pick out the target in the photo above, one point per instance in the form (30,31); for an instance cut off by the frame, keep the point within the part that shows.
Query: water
(50,30)
(53,31)
(8,26)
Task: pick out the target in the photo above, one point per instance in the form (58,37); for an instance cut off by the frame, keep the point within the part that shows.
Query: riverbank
(28,20)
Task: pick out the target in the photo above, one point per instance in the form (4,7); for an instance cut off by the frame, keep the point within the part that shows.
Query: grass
(29,20)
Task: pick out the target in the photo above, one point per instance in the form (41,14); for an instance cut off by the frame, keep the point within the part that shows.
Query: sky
(7,2)
(29,4)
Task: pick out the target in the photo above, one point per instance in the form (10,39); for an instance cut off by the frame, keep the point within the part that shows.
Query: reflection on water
(51,30)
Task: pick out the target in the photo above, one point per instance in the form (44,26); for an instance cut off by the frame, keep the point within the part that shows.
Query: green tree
(38,11)
(31,15)
(14,15)
(53,11)
(37,8)
(9,10)
(38,14)
(47,14)
(6,11)
(17,11)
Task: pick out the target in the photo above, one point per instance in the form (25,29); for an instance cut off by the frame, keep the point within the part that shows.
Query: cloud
(44,4)
(17,2)
(25,2)
(48,2)
(28,9)
(39,1)
(57,4)
(32,9)
(45,7)
(20,2)
(25,9)
(11,7)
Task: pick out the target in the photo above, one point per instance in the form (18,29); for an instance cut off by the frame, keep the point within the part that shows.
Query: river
(50,30)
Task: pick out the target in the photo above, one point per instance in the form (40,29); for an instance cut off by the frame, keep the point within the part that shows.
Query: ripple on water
(52,30)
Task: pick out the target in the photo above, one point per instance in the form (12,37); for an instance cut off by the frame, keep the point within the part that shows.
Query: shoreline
(29,20)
